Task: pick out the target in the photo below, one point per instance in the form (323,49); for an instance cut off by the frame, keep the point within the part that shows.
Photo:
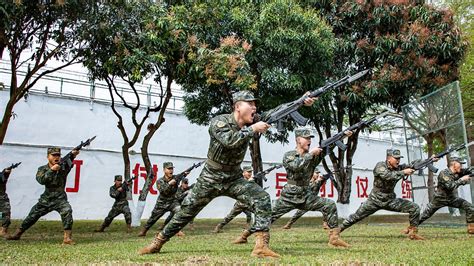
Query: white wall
(47,120)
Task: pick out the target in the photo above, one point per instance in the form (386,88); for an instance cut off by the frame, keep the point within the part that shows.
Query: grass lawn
(373,241)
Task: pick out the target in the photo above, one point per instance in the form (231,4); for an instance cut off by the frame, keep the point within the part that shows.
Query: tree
(35,33)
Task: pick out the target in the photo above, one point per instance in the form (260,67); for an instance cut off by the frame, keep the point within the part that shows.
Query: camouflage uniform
(54,197)
(445,195)
(180,195)
(382,196)
(4,201)
(120,205)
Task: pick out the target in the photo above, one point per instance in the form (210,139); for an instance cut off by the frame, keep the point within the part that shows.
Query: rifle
(127,182)
(291,109)
(261,175)
(329,176)
(13,166)
(338,137)
(67,159)
(179,177)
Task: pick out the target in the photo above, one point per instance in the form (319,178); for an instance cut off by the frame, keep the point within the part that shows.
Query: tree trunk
(6,120)
(256,155)
(430,183)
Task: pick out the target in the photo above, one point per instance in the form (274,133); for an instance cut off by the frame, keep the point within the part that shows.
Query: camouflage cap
(247,168)
(54,150)
(304,132)
(245,96)
(167,165)
(316,170)
(458,159)
(395,153)
(118,178)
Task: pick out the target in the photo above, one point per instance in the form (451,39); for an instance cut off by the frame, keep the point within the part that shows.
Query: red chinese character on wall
(362,186)
(329,194)
(77,176)
(406,189)
(280,183)
(140,172)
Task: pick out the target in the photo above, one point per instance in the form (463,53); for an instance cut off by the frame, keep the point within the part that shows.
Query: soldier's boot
(326,226)
(247,226)
(180,234)
(288,225)
(218,229)
(470,228)
(413,233)
(129,228)
(406,230)
(261,249)
(242,239)
(16,236)
(100,229)
(4,231)
(335,239)
(155,245)
(67,238)
(143,232)
(191,227)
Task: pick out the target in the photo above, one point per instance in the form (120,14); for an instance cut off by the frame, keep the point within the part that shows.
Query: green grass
(373,241)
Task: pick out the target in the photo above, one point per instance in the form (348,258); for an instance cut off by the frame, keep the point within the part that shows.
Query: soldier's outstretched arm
(114,193)
(296,163)
(385,173)
(228,137)
(45,175)
(446,182)
(163,186)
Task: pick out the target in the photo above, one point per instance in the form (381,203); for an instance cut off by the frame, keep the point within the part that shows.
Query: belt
(222,167)
(299,183)
(54,189)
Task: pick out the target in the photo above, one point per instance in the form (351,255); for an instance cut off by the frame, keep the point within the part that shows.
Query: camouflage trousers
(5,213)
(170,216)
(455,202)
(117,209)
(236,210)
(384,201)
(210,185)
(294,197)
(48,202)
(161,207)
(299,214)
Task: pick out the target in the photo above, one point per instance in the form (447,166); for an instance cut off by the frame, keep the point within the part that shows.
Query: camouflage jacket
(386,178)
(119,196)
(448,182)
(54,181)
(182,193)
(3,183)
(167,191)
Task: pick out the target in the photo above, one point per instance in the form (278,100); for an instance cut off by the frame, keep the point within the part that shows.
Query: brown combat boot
(406,230)
(3,232)
(100,229)
(335,240)
(180,234)
(155,245)
(413,233)
(326,226)
(470,228)
(261,249)
(288,225)
(242,239)
(16,236)
(143,232)
(129,228)
(217,229)
(67,238)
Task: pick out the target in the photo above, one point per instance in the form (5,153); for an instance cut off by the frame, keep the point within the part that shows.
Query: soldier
(382,197)
(166,201)
(239,207)
(54,198)
(118,192)
(296,194)
(448,181)
(182,192)
(230,135)
(4,202)
(315,184)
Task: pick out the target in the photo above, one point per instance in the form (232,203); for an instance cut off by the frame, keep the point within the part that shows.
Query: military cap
(304,132)
(316,170)
(247,168)
(395,153)
(245,96)
(458,159)
(167,165)
(54,150)
(118,178)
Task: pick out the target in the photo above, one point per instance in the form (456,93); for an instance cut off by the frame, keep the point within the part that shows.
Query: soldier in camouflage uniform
(118,192)
(239,207)
(166,201)
(54,198)
(448,181)
(296,194)
(382,197)
(315,184)
(4,202)
(182,192)
(230,135)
